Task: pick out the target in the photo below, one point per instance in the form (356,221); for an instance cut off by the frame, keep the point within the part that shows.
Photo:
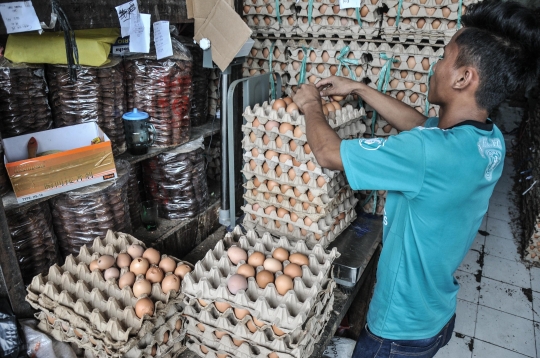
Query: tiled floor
(500,294)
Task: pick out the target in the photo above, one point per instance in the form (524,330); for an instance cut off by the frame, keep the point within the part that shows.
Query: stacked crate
(256,321)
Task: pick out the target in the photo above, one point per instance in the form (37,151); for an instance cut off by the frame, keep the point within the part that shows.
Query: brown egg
(418,76)
(154,274)
(413,97)
(281,212)
(425,64)
(270,184)
(280,254)
(298,132)
(311,166)
(279,103)
(411,62)
(105,261)
(135,251)
(142,287)
(290,227)
(246,270)
(222,306)
(236,254)
(201,327)
(293,145)
(256,259)
(277,331)
(111,272)
(182,270)
(290,109)
(430,10)
(265,52)
(306,177)
(220,334)
(256,123)
(170,283)
(269,210)
(451,24)
(123,260)
(240,313)
(284,284)
(152,255)
(236,283)
(330,20)
(139,266)
(283,158)
(126,279)
(271,125)
(423,88)
(144,306)
(303,232)
(269,154)
(93,266)
(299,259)
(202,302)
(272,265)
(293,270)
(321,181)
(267,20)
(277,223)
(167,264)
(204,349)
(420,23)
(287,100)
(165,337)
(251,326)
(297,192)
(435,24)
(263,278)
(310,196)
(414,9)
(391,21)
(252,164)
(294,217)
(237,342)
(364,11)
(336,105)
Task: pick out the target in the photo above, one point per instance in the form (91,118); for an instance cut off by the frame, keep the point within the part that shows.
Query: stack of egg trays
(439,20)
(260,344)
(96,314)
(368,206)
(213,93)
(257,16)
(295,313)
(258,60)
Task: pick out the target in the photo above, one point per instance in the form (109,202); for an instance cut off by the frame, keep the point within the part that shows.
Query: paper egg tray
(258,344)
(95,304)
(343,201)
(427,10)
(261,44)
(63,329)
(329,187)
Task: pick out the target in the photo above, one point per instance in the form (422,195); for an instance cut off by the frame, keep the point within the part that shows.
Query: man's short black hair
(502,41)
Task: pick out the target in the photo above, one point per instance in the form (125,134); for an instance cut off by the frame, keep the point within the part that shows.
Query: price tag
(348,4)
(162,39)
(19,16)
(124,12)
(139,33)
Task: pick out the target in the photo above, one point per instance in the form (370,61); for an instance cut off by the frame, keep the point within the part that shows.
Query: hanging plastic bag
(11,342)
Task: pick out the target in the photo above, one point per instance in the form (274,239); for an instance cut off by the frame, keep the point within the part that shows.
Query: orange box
(78,163)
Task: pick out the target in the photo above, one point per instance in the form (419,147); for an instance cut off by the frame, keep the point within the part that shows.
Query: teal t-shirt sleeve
(396,164)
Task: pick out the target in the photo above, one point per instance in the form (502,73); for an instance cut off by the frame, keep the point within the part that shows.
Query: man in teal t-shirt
(439,173)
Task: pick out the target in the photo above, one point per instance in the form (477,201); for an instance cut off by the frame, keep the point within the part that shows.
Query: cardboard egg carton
(261,66)
(262,10)
(329,187)
(340,203)
(324,240)
(102,346)
(326,8)
(407,33)
(432,10)
(260,45)
(258,344)
(258,24)
(299,153)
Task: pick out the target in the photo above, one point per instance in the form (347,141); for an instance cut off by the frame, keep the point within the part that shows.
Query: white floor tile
(536,306)
(501,247)
(465,318)
(458,346)
(504,184)
(504,297)
(483,225)
(487,350)
(505,330)
(499,212)
(499,228)
(512,272)
(501,199)
(470,262)
(478,243)
(535,278)
(468,289)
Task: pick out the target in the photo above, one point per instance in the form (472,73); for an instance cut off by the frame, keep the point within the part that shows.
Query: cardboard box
(79,164)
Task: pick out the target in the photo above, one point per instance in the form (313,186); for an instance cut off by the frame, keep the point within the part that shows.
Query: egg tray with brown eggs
(446,9)
(164,338)
(74,286)
(327,8)
(253,338)
(301,153)
(261,8)
(269,24)
(261,50)
(263,196)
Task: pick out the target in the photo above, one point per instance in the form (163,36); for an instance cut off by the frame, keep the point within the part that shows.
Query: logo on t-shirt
(492,150)
(371,143)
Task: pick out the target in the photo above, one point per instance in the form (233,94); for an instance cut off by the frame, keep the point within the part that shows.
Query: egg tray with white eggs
(263,196)
(253,338)
(74,289)
(163,340)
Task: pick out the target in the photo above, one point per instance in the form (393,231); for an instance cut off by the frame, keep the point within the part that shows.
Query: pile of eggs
(270,266)
(143,267)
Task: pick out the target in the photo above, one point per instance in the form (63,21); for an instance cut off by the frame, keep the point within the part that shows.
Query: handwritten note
(124,12)
(162,39)
(348,4)
(19,16)
(139,33)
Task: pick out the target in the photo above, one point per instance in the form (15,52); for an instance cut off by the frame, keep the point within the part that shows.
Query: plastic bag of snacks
(162,88)
(33,238)
(98,95)
(23,99)
(79,216)
(177,180)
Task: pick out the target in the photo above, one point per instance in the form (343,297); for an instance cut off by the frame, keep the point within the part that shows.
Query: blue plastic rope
(382,85)
(398,17)
(344,61)
(358,16)
(278,15)
(460,4)
(302,78)
(310,11)
(272,84)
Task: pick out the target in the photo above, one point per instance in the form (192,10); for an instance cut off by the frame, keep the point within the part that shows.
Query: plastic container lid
(135,115)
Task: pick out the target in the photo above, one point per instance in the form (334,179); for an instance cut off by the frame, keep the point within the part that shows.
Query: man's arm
(400,115)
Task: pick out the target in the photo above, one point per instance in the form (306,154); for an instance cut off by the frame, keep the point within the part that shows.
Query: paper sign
(162,39)
(139,37)
(19,16)
(348,4)
(124,12)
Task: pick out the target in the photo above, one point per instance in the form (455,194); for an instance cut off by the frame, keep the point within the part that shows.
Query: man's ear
(465,76)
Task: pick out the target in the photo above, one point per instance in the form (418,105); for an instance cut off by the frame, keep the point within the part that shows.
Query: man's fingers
(325,82)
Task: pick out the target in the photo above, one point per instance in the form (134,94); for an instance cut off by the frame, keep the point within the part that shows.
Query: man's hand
(337,86)
(306,96)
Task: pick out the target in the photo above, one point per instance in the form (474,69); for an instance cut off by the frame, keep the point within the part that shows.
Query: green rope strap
(382,85)
(344,61)
(278,15)
(310,11)
(358,16)
(302,78)
(426,110)
(398,17)
(460,4)
(272,84)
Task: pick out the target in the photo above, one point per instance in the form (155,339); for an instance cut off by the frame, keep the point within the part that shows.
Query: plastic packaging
(79,216)
(98,95)
(5,183)
(24,107)
(134,197)
(213,158)
(199,98)
(41,345)
(177,180)
(33,239)
(162,88)
(11,342)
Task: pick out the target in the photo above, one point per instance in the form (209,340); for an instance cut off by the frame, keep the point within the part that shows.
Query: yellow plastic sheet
(94,47)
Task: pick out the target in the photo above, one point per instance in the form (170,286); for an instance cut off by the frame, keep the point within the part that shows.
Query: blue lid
(135,115)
